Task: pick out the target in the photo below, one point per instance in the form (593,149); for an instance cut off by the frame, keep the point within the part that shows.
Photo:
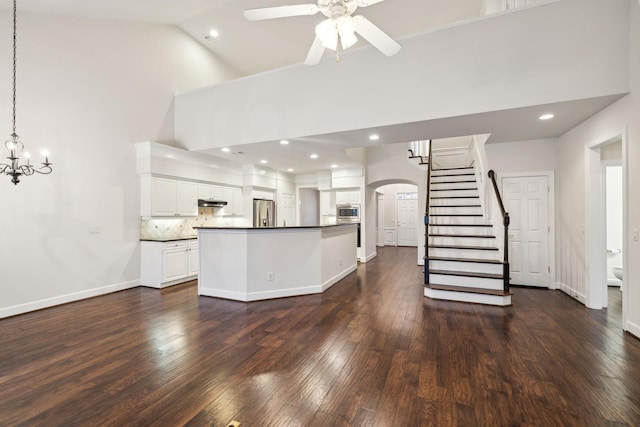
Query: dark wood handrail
(429,168)
(505,222)
(426,215)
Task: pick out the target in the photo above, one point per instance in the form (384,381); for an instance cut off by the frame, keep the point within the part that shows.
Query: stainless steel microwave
(348,213)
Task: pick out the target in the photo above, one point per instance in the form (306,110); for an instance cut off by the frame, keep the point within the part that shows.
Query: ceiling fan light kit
(340,26)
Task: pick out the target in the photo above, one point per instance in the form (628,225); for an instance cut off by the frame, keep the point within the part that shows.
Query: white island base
(251,264)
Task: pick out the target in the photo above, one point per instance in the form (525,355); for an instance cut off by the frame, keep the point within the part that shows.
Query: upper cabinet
(348,197)
(210,192)
(327,203)
(168,197)
(233,197)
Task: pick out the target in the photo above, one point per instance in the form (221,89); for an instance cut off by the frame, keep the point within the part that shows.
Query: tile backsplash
(169,228)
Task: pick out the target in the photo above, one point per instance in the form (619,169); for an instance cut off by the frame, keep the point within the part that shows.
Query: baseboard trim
(633,329)
(276,293)
(571,292)
(369,257)
(65,299)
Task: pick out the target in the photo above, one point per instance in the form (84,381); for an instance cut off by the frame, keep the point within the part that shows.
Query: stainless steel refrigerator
(264,213)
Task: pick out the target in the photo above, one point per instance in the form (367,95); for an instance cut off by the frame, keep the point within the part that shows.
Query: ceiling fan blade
(376,36)
(365,3)
(280,12)
(315,53)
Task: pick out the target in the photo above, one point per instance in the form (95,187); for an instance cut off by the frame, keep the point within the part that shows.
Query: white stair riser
(455,210)
(463,241)
(475,267)
(468,282)
(453,220)
(463,253)
(452,229)
(456,201)
(457,186)
(462,169)
(468,297)
(439,179)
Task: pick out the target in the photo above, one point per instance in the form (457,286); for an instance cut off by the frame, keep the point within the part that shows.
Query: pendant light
(15,148)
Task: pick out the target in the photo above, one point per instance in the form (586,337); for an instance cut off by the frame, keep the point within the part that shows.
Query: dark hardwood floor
(370,351)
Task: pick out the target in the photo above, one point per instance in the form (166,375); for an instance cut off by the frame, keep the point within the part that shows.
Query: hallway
(369,351)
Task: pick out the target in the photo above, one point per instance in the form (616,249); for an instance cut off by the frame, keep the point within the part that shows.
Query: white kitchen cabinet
(263,194)
(327,203)
(187,198)
(168,263)
(163,197)
(348,197)
(205,191)
(233,197)
(237,201)
(175,262)
(193,258)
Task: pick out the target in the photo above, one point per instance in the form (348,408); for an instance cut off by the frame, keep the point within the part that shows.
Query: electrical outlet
(270,276)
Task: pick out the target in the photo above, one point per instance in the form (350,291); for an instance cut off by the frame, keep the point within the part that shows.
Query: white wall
(523,156)
(87,89)
(614,120)
(527,57)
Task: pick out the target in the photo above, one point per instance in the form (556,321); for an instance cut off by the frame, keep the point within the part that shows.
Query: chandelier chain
(15,57)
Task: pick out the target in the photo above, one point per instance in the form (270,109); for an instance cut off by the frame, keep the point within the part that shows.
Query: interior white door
(527,201)
(407,212)
(288,210)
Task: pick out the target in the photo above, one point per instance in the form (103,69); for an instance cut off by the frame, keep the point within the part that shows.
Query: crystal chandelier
(16,166)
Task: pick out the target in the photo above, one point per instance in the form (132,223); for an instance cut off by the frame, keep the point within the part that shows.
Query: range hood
(210,203)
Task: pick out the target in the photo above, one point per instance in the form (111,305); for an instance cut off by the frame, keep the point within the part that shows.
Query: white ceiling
(254,47)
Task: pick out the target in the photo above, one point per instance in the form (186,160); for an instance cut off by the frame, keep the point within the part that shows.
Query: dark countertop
(274,228)
(169,239)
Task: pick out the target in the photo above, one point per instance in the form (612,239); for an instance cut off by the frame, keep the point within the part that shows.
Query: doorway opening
(599,156)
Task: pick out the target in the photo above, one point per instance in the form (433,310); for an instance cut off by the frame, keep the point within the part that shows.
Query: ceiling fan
(338,30)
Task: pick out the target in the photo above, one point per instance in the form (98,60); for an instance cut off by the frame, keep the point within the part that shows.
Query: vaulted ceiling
(255,47)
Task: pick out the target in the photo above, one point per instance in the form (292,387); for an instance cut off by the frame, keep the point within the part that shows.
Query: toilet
(617,271)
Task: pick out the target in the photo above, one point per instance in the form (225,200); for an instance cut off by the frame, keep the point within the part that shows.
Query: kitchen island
(250,264)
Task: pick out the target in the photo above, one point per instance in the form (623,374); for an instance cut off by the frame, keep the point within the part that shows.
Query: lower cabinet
(168,263)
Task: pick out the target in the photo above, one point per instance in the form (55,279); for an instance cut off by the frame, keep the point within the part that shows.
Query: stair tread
(455,197)
(453,189)
(474,215)
(466,274)
(450,182)
(473,260)
(480,248)
(452,169)
(474,236)
(452,174)
(497,292)
(455,206)
(460,225)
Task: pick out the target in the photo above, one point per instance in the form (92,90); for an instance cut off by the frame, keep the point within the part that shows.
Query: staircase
(463,256)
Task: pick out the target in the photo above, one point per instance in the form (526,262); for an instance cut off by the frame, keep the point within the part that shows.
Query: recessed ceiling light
(334,166)
(374,137)
(214,33)
(264,162)
(546,116)
(225,149)
(169,156)
(290,170)
(284,142)
(314,156)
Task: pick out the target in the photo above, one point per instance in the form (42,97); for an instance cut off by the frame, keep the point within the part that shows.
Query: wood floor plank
(371,350)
